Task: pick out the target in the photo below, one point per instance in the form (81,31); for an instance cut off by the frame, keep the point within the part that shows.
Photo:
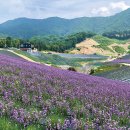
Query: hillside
(26,28)
(38,97)
(103,46)
(118,69)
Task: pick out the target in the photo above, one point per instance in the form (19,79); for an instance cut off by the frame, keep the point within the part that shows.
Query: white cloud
(111,9)
(11,9)
(102,11)
(119,5)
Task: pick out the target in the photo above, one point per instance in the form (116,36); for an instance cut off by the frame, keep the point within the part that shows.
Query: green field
(56,60)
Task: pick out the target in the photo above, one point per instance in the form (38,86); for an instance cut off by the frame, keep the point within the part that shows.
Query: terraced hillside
(103,46)
(38,97)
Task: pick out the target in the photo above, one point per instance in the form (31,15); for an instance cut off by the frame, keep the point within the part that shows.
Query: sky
(39,9)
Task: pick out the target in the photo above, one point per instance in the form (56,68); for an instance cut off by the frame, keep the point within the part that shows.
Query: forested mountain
(27,28)
(121,35)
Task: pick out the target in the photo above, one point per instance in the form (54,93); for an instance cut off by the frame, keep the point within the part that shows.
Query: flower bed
(39,95)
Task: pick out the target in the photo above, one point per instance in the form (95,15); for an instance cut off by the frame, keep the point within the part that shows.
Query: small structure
(25,46)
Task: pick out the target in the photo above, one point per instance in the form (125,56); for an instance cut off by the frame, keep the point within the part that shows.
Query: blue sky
(38,9)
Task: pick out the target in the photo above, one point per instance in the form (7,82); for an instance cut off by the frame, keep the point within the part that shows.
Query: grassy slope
(106,68)
(54,60)
(106,42)
(121,72)
(119,49)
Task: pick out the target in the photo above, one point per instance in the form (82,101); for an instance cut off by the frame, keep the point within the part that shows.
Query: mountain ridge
(27,28)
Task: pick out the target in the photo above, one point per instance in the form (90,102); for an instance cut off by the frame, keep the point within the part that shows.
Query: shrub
(129,47)
(72,69)
(92,71)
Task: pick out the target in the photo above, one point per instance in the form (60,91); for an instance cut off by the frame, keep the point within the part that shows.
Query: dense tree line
(6,42)
(122,35)
(59,44)
(51,42)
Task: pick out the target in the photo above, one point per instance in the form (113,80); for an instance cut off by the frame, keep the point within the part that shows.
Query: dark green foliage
(58,43)
(27,28)
(92,71)
(2,42)
(119,49)
(9,42)
(121,35)
(129,47)
(72,69)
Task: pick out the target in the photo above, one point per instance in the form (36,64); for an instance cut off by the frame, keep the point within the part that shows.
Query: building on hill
(26,46)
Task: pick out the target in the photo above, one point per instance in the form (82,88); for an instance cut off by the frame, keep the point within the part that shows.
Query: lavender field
(39,97)
(122,73)
(120,69)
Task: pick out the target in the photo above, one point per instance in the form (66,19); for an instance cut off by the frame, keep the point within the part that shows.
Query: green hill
(99,44)
(26,28)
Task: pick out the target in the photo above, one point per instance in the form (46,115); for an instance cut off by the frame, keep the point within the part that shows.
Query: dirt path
(22,56)
(126,64)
